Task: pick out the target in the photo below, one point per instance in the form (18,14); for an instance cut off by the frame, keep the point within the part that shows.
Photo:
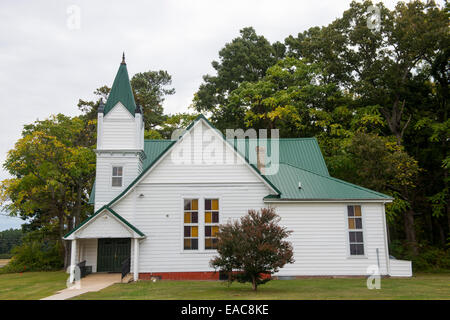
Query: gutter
(269,200)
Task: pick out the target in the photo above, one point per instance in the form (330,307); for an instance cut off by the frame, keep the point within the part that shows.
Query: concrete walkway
(91,283)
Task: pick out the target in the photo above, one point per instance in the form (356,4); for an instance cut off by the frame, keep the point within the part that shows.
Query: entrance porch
(107,243)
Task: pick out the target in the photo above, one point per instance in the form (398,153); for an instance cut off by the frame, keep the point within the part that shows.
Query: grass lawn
(31,285)
(422,286)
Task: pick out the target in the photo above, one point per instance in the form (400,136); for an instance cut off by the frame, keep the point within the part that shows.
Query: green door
(111,253)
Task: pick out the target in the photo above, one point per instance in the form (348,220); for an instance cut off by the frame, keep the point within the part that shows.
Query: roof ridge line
(341,181)
(305,138)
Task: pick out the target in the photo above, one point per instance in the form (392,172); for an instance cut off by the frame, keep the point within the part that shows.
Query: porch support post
(73,255)
(136,260)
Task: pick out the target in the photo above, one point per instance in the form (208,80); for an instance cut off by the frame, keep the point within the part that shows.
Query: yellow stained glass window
(190,218)
(351,223)
(194,232)
(211,223)
(194,204)
(356,239)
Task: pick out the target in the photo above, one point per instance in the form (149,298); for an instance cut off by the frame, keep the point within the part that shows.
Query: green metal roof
(300,152)
(118,216)
(315,186)
(121,91)
(153,149)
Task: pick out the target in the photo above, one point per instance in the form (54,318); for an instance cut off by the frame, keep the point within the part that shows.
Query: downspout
(378,258)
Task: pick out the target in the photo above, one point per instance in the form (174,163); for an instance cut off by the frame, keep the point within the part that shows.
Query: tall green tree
(380,164)
(150,89)
(52,172)
(291,97)
(379,66)
(245,58)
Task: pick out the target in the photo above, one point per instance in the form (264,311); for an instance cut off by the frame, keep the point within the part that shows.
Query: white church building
(158,204)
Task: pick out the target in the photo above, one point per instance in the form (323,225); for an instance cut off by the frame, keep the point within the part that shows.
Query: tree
(171,123)
(9,239)
(254,247)
(36,252)
(380,164)
(245,58)
(291,97)
(380,67)
(149,89)
(52,172)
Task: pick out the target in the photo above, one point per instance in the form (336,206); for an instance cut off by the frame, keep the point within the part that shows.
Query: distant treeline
(8,240)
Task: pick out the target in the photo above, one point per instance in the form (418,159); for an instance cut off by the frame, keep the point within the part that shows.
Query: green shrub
(35,256)
(429,259)
(5,255)
(432,259)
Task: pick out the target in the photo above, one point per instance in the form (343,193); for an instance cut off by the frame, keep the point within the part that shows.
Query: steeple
(121,90)
(120,139)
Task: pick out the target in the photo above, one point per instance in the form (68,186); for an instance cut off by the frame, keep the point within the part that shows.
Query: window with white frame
(355,230)
(117,176)
(211,223)
(190,230)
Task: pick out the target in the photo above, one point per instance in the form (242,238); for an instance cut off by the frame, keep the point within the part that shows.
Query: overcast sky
(47,63)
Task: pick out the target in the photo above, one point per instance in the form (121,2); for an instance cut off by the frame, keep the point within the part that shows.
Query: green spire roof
(121,91)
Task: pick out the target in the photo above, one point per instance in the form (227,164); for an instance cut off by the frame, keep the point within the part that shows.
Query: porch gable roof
(69,235)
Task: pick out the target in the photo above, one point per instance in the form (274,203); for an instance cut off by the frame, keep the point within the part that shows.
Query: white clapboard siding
(119,129)
(319,233)
(119,141)
(400,268)
(104,225)
(87,249)
(104,191)
(320,239)
(204,166)
(159,215)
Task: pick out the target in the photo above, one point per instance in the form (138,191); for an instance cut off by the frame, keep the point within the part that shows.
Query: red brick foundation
(180,275)
(184,275)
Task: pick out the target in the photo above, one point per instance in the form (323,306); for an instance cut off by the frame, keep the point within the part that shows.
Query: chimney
(260,158)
